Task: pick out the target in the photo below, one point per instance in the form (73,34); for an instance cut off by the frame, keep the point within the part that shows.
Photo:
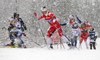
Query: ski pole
(4,40)
(35,42)
(40,28)
(6,30)
(62,44)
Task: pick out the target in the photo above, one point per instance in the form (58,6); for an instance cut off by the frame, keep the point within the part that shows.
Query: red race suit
(54,25)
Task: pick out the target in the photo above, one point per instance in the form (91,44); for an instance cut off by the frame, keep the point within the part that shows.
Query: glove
(35,14)
(87,21)
(24,34)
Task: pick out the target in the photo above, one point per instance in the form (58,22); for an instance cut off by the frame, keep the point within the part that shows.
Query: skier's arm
(79,21)
(88,24)
(21,21)
(22,24)
(65,23)
(40,17)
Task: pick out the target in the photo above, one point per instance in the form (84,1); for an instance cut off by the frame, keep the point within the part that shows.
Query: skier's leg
(62,36)
(86,44)
(72,38)
(75,41)
(75,33)
(81,39)
(66,40)
(49,42)
(85,40)
(94,45)
(49,34)
(72,42)
(11,39)
(91,45)
(22,42)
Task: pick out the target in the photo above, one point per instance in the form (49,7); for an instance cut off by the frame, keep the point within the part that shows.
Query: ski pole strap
(79,21)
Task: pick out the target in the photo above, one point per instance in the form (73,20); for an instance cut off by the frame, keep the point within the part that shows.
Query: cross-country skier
(15,31)
(75,29)
(13,24)
(54,26)
(92,38)
(84,33)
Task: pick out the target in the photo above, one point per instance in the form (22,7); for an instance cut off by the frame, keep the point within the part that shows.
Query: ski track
(50,54)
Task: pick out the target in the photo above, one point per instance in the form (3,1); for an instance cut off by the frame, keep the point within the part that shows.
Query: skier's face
(83,25)
(71,19)
(44,12)
(17,16)
(91,29)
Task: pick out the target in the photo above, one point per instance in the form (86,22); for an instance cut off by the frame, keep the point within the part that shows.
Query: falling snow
(85,9)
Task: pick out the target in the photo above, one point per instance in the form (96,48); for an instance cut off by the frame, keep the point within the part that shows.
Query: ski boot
(51,46)
(70,46)
(11,44)
(23,46)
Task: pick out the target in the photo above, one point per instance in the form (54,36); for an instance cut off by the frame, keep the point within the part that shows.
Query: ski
(74,48)
(35,42)
(10,46)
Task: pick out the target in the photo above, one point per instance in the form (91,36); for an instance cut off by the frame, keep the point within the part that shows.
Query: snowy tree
(85,9)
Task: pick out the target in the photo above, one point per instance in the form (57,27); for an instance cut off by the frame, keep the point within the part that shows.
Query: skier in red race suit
(84,33)
(54,26)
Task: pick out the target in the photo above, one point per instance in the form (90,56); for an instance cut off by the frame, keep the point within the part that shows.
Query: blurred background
(84,9)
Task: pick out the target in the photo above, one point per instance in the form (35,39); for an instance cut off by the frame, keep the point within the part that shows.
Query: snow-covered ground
(49,54)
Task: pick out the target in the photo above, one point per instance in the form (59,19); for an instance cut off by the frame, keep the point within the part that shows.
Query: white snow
(49,54)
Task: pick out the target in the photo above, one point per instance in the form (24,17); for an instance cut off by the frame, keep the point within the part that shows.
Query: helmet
(92,28)
(43,8)
(11,19)
(83,24)
(71,16)
(15,15)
